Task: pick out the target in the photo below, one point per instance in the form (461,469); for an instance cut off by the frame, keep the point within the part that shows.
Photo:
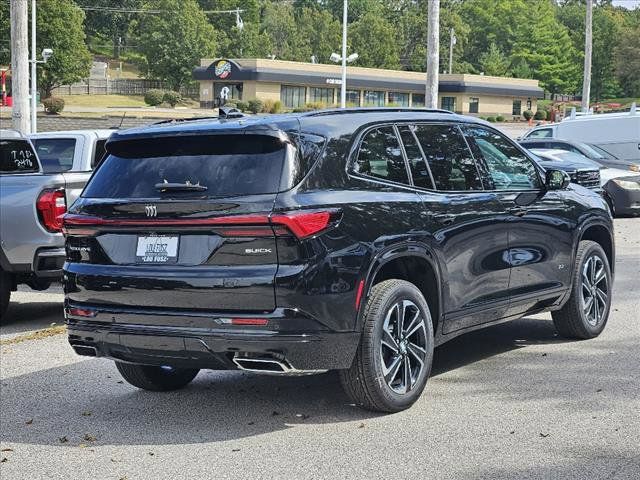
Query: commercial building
(298,83)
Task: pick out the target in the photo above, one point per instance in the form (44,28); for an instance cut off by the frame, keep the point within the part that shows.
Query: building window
(398,99)
(474,105)
(517,107)
(373,98)
(353,98)
(322,95)
(528,104)
(448,103)
(235,90)
(417,100)
(292,97)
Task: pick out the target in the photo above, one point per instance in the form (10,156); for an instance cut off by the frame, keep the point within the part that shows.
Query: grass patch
(36,335)
(104,101)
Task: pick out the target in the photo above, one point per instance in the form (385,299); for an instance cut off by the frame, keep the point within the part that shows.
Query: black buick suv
(354,240)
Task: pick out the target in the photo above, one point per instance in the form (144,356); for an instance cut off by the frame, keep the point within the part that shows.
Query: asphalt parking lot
(512,401)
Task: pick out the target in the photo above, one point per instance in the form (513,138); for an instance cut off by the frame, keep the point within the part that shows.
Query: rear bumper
(206,340)
(48,262)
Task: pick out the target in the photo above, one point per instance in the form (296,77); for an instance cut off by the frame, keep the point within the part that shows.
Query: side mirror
(556,179)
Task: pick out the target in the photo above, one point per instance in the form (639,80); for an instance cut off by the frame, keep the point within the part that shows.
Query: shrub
(527,114)
(154,97)
(171,97)
(242,106)
(255,105)
(491,119)
(53,105)
(267,105)
(500,118)
(540,115)
(277,107)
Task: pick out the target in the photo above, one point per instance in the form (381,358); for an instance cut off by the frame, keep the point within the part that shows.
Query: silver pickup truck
(40,176)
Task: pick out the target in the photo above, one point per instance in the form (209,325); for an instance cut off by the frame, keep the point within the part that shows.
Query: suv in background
(354,240)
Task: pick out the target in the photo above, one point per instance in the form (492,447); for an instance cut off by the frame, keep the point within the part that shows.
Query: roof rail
(334,111)
(179,120)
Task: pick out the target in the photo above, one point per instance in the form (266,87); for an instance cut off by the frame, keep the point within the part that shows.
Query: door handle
(518,211)
(445,219)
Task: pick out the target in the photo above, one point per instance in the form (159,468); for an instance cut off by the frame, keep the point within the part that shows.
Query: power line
(124,10)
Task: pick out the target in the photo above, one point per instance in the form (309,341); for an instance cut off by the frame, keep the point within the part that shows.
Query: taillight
(51,206)
(306,224)
(302,223)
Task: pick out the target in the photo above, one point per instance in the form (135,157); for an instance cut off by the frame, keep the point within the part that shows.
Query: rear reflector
(51,206)
(249,321)
(81,312)
(359,293)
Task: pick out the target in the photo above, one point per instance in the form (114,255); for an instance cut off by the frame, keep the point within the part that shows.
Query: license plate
(157,249)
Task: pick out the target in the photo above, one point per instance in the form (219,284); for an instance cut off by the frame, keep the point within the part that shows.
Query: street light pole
(343,89)
(452,42)
(433,54)
(20,65)
(588,42)
(34,90)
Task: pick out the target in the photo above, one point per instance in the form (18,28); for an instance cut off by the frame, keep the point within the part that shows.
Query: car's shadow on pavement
(87,402)
(24,317)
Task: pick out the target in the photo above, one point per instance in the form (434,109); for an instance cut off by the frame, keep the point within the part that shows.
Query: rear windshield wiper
(180,187)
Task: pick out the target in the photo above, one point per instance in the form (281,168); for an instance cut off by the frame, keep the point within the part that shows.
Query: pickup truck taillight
(51,206)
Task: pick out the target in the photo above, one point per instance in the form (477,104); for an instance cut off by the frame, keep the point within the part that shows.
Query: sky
(627,3)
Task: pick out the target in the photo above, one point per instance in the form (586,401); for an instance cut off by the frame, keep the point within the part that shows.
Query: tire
(156,379)
(581,318)
(5,292)
(381,348)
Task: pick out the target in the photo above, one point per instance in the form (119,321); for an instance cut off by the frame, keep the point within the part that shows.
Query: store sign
(334,81)
(222,69)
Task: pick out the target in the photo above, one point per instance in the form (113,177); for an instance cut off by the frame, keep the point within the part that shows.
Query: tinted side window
(542,133)
(450,161)
(55,154)
(419,170)
(99,153)
(380,156)
(17,156)
(508,167)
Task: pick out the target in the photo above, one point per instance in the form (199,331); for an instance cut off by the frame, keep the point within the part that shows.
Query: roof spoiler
(229,112)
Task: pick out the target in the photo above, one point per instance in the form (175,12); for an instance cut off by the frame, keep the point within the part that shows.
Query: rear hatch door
(180,223)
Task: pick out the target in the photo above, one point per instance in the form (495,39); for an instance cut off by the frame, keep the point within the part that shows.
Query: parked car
(616,133)
(619,187)
(592,152)
(581,170)
(353,240)
(40,176)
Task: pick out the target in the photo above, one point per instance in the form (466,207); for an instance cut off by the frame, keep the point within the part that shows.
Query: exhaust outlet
(269,365)
(85,350)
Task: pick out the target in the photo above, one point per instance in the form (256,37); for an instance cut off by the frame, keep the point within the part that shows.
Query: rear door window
(56,154)
(205,167)
(380,156)
(417,164)
(450,161)
(541,133)
(17,156)
(99,153)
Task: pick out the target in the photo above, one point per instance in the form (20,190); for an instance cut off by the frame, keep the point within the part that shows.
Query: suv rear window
(17,156)
(55,154)
(227,165)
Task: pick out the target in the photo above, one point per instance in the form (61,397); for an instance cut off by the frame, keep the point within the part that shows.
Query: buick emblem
(150,210)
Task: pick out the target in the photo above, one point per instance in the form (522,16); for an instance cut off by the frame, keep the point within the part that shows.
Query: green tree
(494,62)
(61,28)
(279,23)
(627,62)
(320,31)
(375,41)
(174,41)
(112,26)
(5,34)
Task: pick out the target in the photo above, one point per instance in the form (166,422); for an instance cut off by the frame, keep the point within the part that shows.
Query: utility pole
(34,82)
(452,42)
(433,54)
(343,86)
(588,42)
(20,65)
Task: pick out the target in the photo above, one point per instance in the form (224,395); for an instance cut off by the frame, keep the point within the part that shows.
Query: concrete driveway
(510,402)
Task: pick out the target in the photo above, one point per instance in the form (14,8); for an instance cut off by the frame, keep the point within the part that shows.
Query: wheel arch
(408,261)
(603,236)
